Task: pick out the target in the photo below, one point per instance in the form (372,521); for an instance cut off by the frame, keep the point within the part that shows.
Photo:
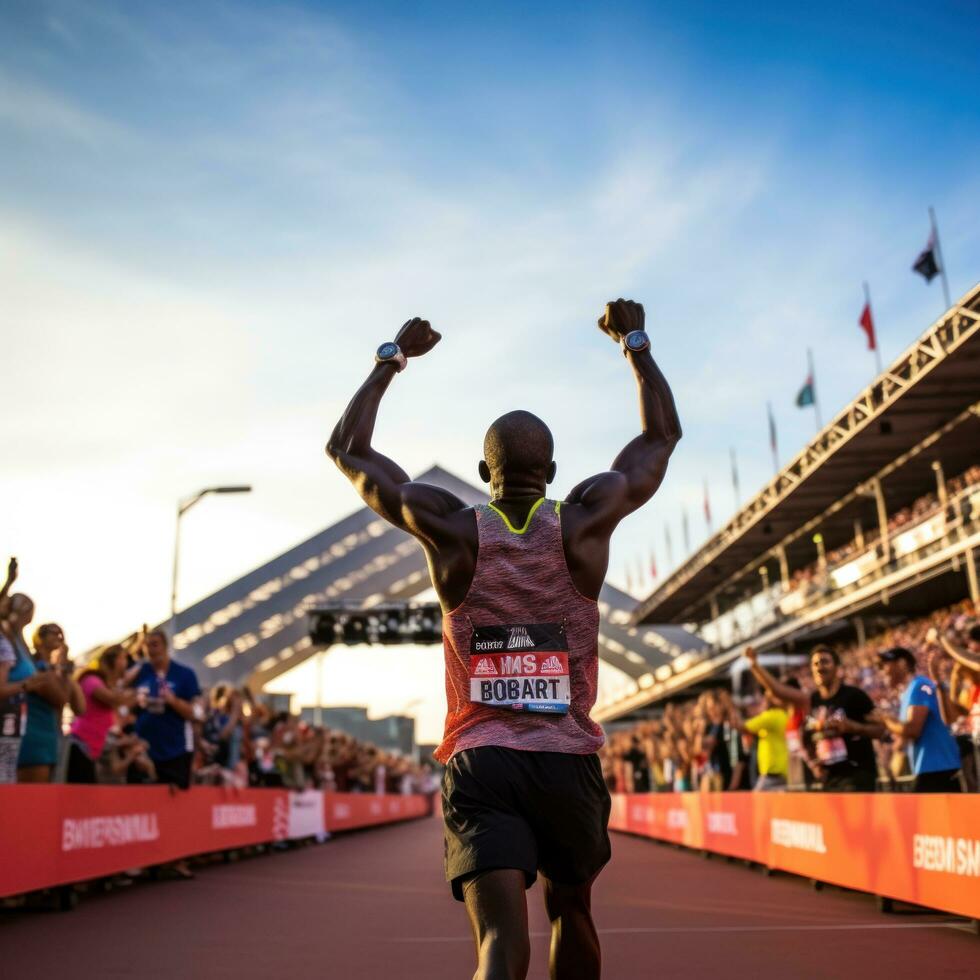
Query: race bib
(520,667)
(831,751)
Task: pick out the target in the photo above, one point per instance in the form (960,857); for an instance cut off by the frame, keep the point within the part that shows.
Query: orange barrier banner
(55,834)
(348,811)
(918,848)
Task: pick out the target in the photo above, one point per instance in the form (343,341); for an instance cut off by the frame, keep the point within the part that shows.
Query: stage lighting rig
(389,624)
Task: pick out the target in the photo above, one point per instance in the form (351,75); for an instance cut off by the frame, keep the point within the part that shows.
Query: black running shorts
(531,811)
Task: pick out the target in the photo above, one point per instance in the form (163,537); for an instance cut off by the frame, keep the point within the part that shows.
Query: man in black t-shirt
(838,722)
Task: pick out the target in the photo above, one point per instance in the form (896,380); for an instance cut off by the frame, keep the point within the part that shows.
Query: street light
(183,506)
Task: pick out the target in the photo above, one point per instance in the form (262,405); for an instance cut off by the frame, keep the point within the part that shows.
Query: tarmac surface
(374,905)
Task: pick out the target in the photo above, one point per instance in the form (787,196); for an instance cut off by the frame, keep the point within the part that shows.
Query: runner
(518,580)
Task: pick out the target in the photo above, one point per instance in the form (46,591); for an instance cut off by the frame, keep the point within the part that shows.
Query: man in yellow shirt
(772,755)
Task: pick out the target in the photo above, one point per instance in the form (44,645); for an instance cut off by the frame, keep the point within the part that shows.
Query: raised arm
(384,486)
(959,654)
(949,707)
(784,692)
(639,468)
(7,583)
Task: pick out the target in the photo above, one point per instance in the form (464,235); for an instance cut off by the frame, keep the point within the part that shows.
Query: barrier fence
(56,834)
(922,849)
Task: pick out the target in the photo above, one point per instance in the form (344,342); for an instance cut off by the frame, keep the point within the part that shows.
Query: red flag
(868,326)
(653,565)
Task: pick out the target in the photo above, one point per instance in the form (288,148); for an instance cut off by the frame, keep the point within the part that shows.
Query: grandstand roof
(257,627)
(935,381)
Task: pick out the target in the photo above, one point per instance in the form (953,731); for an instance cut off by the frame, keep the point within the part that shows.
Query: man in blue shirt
(166,693)
(933,753)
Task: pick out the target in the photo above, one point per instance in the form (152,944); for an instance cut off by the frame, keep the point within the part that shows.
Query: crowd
(919,510)
(905,703)
(902,706)
(135,715)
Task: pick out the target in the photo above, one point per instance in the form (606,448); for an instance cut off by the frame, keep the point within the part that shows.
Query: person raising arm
(520,574)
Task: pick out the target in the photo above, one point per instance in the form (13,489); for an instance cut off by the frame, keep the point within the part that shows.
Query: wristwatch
(390,353)
(636,341)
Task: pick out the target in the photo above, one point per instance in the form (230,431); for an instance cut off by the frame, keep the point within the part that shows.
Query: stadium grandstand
(875,521)
(257,627)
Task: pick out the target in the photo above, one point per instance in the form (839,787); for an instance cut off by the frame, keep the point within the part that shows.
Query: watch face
(387,351)
(636,340)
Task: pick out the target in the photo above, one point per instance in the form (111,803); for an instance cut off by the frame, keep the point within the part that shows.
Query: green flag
(805,397)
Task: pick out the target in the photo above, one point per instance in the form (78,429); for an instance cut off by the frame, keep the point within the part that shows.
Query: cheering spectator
(721,744)
(839,720)
(772,755)
(961,705)
(933,753)
(49,688)
(16,681)
(103,698)
(967,659)
(166,692)
(223,734)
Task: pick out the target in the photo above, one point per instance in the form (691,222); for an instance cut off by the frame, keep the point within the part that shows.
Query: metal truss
(943,338)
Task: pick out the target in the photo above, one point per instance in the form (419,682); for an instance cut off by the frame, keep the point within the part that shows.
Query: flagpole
(738,495)
(813,379)
(773,440)
(942,258)
(867,300)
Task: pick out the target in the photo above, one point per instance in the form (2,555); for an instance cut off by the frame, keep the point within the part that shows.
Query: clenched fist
(417,337)
(622,316)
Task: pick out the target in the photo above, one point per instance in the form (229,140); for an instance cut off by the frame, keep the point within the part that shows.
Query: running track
(373,905)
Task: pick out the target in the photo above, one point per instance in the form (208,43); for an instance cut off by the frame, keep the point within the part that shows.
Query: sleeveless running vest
(522,649)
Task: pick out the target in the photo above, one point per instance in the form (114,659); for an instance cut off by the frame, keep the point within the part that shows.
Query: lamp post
(183,506)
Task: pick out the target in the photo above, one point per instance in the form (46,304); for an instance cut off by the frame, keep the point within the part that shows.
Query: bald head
(519,446)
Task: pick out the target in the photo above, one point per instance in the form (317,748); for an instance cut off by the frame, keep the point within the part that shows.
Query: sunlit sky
(211,214)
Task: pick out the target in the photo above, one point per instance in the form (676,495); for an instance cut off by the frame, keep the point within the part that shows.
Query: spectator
(722,745)
(768,727)
(966,657)
(933,753)
(16,681)
(639,765)
(124,759)
(47,694)
(166,692)
(839,720)
(223,735)
(103,698)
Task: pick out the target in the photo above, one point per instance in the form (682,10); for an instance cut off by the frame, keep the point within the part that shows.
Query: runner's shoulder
(436,500)
(595,503)
(597,490)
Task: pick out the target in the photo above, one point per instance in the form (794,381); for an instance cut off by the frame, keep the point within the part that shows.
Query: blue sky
(211,214)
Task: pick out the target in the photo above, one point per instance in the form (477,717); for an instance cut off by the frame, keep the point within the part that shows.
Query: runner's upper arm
(418,508)
(635,478)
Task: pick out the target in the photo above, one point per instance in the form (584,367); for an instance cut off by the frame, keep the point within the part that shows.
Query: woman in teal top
(39,747)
